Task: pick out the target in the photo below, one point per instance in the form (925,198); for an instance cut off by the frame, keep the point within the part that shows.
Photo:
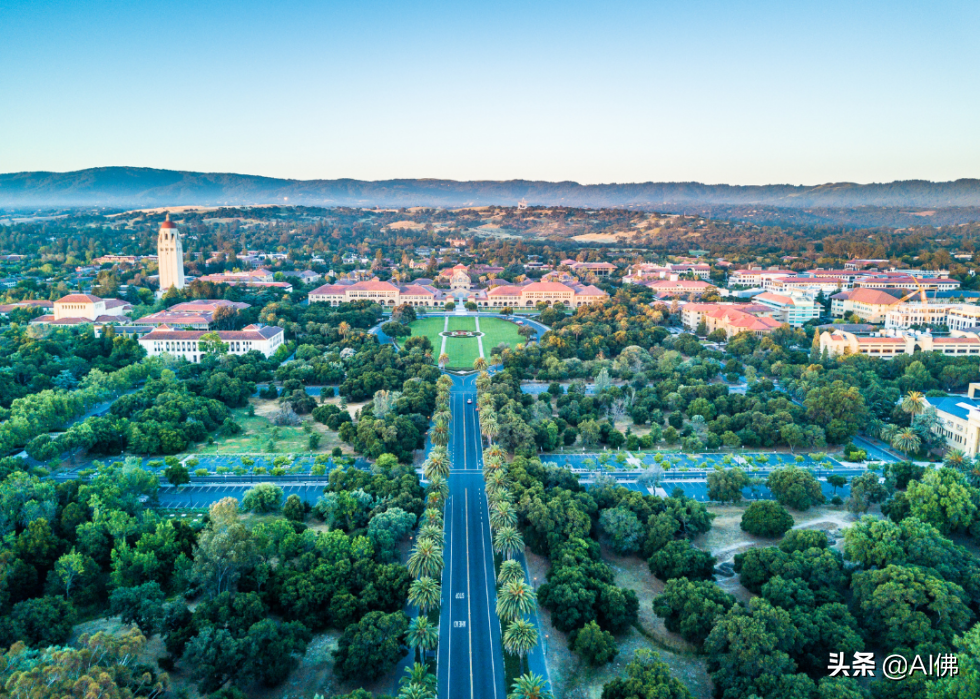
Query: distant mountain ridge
(147,187)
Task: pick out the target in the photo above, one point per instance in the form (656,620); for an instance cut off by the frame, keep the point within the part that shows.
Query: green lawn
(257,431)
(464,351)
(430,328)
(496,331)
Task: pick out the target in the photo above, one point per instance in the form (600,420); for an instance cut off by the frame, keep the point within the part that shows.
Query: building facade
(959,420)
(838,343)
(187,343)
(794,310)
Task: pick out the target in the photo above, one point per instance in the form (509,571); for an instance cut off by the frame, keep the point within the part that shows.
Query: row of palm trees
(516,598)
(427,560)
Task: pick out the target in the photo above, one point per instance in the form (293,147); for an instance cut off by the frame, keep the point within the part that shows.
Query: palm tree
(510,571)
(530,686)
(887,433)
(422,636)
(496,480)
(907,441)
(344,328)
(802,388)
(426,559)
(425,593)
(502,514)
(914,403)
(489,427)
(433,533)
(480,364)
(440,433)
(494,451)
(955,458)
(431,516)
(519,638)
(438,484)
(443,359)
(418,674)
(516,599)
(415,691)
(437,464)
(508,542)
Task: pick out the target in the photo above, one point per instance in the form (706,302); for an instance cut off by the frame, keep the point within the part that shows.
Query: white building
(959,420)
(794,310)
(956,316)
(187,343)
(170,257)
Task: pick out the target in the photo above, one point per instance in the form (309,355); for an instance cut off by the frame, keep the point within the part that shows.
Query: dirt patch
(573,679)
(411,225)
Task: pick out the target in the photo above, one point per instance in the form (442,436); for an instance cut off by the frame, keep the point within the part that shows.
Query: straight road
(471,662)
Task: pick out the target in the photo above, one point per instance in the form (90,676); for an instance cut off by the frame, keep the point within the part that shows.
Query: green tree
(679,559)
(516,599)
(212,344)
(624,530)
(902,607)
(264,497)
(593,645)
(725,485)
(795,487)
(646,678)
(425,593)
(530,686)
(690,608)
(519,638)
(370,648)
(293,509)
(177,475)
(422,636)
(766,518)
(943,499)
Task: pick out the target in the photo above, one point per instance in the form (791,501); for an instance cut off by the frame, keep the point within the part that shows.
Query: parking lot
(201,496)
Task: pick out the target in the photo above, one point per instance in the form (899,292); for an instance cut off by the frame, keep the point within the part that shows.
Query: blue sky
(736,92)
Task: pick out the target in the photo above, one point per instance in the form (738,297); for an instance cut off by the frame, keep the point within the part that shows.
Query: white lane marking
(469,597)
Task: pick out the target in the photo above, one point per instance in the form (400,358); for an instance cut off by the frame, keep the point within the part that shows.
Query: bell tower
(170,257)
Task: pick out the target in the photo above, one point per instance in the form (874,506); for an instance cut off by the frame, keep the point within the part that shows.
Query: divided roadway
(471,662)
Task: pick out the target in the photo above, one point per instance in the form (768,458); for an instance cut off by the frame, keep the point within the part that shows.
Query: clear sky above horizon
(717,92)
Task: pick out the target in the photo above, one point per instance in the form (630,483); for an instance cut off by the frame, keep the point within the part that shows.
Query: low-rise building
(793,309)
(600,269)
(732,319)
(756,277)
(530,294)
(254,278)
(80,309)
(892,345)
(187,343)
(955,316)
(197,314)
(384,293)
(8,307)
(667,288)
(959,420)
(870,305)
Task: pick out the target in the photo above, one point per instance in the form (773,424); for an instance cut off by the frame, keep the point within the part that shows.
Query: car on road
(520,322)
(469,401)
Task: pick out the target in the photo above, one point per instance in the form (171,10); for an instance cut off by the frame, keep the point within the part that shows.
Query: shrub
(766,518)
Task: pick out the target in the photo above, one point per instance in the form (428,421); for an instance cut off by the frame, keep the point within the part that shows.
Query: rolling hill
(146,187)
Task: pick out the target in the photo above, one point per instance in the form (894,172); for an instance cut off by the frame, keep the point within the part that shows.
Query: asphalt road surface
(471,664)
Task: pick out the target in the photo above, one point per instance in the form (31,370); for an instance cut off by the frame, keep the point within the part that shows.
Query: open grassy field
(496,331)
(258,432)
(463,351)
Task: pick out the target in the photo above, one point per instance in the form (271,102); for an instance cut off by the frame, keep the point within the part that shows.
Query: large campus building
(530,294)
(187,343)
(384,293)
(959,420)
(839,342)
(731,319)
